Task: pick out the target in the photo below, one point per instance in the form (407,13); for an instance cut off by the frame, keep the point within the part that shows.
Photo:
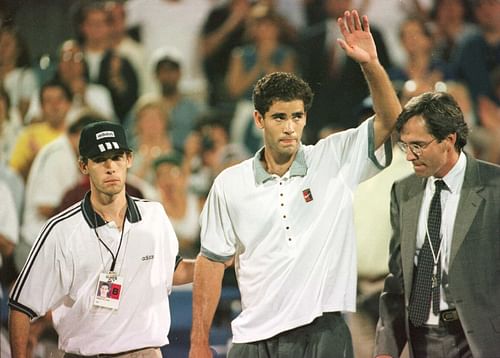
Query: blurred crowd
(179,74)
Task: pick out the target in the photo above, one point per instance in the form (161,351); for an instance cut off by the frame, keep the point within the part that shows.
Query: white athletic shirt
(62,270)
(292,236)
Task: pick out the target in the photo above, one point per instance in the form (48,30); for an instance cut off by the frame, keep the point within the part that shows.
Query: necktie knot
(440,185)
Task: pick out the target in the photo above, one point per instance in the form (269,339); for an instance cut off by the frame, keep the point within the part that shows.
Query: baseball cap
(168,55)
(101,137)
(173,158)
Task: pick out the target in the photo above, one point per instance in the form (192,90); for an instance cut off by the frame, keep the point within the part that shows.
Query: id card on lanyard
(109,290)
(110,285)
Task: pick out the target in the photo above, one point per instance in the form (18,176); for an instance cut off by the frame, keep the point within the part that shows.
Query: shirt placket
(284,209)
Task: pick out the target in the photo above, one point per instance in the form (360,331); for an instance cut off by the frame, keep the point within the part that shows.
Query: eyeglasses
(415,148)
(74,57)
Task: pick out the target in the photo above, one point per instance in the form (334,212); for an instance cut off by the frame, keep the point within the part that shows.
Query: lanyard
(113,263)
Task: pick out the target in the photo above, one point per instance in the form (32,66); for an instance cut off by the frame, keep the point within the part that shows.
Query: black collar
(94,220)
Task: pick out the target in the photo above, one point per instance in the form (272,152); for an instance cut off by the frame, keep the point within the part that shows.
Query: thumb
(344,45)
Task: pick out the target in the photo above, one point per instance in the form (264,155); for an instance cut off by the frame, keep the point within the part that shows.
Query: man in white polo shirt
(107,237)
(285,218)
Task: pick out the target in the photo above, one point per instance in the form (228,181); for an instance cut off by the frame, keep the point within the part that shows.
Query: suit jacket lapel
(410,212)
(468,205)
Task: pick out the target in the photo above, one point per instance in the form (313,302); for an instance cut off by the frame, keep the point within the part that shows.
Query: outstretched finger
(342,26)
(366,24)
(348,21)
(356,21)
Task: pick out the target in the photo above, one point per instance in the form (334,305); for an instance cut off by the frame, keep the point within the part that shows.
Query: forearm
(184,272)
(19,328)
(213,41)
(385,101)
(239,81)
(206,293)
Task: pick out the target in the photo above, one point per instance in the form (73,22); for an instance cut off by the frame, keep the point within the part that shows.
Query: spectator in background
(150,136)
(54,171)
(9,126)
(16,75)
(123,44)
(9,129)
(478,55)
(181,205)
(294,11)
(328,70)
(182,111)
(489,117)
(222,31)
(71,70)
(421,67)
(9,237)
(106,66)
(176,24)
(16,185)
(265,53)
(203,151)
(451,23)
(55,99)
(387,16)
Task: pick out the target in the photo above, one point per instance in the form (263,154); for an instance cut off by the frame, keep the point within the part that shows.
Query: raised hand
(358,41)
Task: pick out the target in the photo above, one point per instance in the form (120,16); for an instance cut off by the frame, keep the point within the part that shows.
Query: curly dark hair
(441,114)
(280,86)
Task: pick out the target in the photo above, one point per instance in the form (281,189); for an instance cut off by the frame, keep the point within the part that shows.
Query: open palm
(358,41)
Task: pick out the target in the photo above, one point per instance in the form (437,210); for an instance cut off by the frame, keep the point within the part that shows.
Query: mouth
(418,165)
(112,181)
(288,141)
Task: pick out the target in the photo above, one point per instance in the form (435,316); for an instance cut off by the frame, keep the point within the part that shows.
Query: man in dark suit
(442,295)
(337,81)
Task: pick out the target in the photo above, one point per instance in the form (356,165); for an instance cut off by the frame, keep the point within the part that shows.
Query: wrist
(371,66)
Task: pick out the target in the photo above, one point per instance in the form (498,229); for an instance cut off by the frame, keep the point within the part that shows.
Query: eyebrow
(413,142)
(283,114)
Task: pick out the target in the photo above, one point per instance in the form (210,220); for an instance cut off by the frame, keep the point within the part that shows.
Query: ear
(130,159)
(258,119)
(452,139)
(83,167)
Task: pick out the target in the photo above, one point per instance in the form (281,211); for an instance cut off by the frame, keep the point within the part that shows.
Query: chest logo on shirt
(307,195)
(147,257)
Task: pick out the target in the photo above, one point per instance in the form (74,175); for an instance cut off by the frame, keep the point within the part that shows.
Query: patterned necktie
(427,284)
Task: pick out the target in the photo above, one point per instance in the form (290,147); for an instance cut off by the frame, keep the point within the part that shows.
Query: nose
(288,126)
(108,164)
(410,156)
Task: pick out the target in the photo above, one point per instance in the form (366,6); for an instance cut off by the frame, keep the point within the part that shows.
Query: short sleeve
(218,240)
(45,278)
(353,152)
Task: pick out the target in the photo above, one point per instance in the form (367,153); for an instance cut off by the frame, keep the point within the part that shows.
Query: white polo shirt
(293,236)
(63,267)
